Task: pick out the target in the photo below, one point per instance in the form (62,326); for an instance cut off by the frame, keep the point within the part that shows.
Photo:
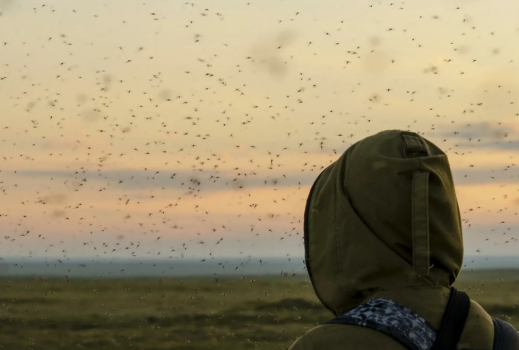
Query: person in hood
(383,222)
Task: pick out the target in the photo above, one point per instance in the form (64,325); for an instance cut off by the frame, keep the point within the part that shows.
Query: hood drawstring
(420,210)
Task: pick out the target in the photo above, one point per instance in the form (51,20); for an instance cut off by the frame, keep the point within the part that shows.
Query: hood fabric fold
(384,216)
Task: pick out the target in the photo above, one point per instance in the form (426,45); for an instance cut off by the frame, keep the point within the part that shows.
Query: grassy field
(212,313)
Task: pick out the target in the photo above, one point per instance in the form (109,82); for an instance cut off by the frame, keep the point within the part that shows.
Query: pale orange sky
(253,94)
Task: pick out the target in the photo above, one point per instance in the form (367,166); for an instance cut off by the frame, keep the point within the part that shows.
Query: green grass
(226,313)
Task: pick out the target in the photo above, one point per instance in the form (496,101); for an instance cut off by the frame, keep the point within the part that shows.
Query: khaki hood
(384,216)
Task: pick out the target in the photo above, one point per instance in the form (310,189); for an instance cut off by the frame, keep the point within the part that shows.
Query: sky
(195,129)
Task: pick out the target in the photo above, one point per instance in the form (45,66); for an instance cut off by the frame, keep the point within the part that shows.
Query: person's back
(383,222)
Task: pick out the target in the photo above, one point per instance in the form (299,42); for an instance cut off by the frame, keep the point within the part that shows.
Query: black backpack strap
(453,321)
(505,336)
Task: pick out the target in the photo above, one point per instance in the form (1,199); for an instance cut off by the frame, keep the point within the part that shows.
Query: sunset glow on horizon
(196,129)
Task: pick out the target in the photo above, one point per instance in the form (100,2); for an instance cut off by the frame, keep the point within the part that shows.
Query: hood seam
(338,241)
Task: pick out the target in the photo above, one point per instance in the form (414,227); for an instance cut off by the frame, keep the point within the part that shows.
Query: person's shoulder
(344,337)
(479,329)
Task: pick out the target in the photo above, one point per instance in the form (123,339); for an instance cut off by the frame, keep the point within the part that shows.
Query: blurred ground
(211,313)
